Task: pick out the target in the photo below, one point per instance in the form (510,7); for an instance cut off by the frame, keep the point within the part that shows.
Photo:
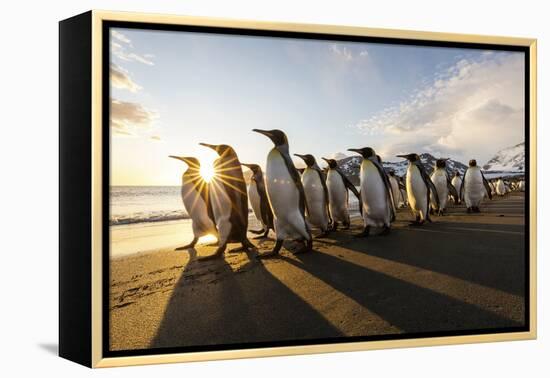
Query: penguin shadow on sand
(234,300)
(409,307)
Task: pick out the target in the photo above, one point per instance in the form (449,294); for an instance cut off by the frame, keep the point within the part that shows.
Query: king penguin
(376,194)
(457,183)
(337,186)
(317,200)
(500,188)
(474,187)
(194,194)
(229,200)
(286,195)
(259,201)
(396,189)
(419,186)
(443,186)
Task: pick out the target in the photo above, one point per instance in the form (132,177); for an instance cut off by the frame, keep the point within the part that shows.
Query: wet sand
(462,272)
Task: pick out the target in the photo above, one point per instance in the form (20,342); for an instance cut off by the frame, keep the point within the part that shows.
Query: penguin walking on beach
(338,185)
(457,183)
(396,189)
(259,201)
(474,187)
(443,186)
(317,197)
(194,194)
(286,195)
(229,201)
(376,194)
(419,187)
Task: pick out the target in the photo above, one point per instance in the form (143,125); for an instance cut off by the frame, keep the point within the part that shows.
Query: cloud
(347,53)
(121,79)
(121,47)
(121,37)
(472,109)
(130,118)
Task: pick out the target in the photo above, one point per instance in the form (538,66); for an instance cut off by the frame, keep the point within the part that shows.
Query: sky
(171,90)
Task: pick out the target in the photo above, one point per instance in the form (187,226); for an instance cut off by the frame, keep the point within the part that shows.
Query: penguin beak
(264,132)
(325,159)
(355,150)
(402,156)
(176,157)
(212,146)
(246,165)
(300,156)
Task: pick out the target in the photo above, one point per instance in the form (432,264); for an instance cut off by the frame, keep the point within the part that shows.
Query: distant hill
(351,166)
(511,159)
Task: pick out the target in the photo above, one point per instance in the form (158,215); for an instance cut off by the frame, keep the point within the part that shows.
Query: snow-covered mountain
(511,159)
(351,166)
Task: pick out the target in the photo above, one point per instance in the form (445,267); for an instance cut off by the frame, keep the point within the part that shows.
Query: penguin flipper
(325,190)
(265,207)
(462,185)
(351,187)
(429,184)
(452,190)
(295,175)
(486,184)
(387,185)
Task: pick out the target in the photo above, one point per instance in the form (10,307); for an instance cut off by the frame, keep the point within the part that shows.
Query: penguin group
(291,202)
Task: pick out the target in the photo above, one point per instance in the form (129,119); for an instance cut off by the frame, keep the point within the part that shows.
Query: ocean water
(147,204)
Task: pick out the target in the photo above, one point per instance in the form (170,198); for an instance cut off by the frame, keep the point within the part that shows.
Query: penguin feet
(188,246)
(273,253)
(256,232)
(323,234)
(363,234)
(385,231)
(476,209)
(416,223)
(308,247)
(469,210)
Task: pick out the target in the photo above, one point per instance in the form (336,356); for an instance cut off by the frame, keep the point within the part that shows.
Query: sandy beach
(462,272)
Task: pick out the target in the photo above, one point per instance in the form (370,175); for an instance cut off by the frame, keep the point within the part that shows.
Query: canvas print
(271,190)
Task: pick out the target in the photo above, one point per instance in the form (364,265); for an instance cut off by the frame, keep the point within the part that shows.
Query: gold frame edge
(98,16)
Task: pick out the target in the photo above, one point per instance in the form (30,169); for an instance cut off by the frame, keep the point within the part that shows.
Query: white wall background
(28,185)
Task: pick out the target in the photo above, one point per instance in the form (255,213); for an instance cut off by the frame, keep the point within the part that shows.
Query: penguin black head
(308,159)
(472,163)
(192,162)
(392,172)
(222,149)
(366,152)
(457,173)
(255,168)
(277,136)
(410,157)
(441,163)
(331,162)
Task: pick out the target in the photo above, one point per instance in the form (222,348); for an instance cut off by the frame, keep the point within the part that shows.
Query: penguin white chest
(338,196)
(315,197)
(196,209)
(376,209)
(417,192)
(474,191)
(439,179)
(284,198)
(254,198)
(457,183)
